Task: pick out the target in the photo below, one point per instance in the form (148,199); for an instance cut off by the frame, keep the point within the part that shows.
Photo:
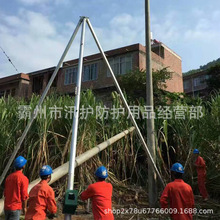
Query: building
(122,60)
(15,85)
(39,80)
(195,84)
(97,77)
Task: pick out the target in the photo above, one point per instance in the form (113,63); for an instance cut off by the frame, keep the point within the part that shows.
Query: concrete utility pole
(152,183)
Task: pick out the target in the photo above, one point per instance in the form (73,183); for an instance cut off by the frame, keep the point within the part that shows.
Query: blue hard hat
(46,170)
(177,167)
(101,172)
(19,162)
(196,151)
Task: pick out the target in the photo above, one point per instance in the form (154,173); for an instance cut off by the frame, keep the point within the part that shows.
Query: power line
(9,60)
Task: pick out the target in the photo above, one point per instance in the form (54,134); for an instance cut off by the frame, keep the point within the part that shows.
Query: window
(120,65)
(54,84)
(196,81)
(37,84)
(90,72)
(186,84)
(199,81)
(70,75)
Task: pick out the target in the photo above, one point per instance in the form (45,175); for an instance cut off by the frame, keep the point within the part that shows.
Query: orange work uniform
(101,195)
(41,199)
(201,172)
(181,198)
(16,190)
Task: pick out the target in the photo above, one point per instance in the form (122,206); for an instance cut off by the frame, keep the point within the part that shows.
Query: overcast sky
(34,33)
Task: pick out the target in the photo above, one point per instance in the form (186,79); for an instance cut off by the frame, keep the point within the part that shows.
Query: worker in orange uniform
(42,198)
(201,172)
(16,191)
(179,194)
(101,195)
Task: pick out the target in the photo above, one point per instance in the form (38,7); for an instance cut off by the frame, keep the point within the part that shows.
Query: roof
(14,78)
(166,47)
(195,74)
(109,53)
(119,51)
(50,69)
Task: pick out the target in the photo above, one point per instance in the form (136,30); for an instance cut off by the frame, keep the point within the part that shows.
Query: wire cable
(9,59)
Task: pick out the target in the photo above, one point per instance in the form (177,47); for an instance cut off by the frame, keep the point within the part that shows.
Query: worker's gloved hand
(51,216)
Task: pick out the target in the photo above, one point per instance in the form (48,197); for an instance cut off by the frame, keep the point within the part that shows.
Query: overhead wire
(9,59)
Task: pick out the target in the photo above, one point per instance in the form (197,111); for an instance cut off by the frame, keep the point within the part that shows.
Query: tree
(213,81)
(134,84)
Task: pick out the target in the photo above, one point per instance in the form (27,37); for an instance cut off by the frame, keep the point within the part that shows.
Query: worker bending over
(201,172)
(179,194)
(101,195)
(16,191)
(42,198)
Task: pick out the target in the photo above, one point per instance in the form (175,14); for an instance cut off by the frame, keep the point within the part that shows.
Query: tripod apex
(83,17)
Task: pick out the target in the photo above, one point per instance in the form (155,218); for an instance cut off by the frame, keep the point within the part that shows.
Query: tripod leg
(125,103)
(34,114)
(76,116)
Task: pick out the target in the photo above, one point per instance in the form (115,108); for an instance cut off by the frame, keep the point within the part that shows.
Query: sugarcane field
(109,110)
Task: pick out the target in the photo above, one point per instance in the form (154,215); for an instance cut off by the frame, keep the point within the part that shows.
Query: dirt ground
(135,200)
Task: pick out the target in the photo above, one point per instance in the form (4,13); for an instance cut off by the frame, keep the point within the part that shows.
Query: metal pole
(35,113)
(76,115)
(124,101)
(152,183)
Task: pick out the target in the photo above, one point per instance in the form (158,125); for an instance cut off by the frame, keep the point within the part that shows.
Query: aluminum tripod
(82,21)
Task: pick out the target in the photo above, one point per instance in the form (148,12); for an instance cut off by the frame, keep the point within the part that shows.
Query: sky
(34,33)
